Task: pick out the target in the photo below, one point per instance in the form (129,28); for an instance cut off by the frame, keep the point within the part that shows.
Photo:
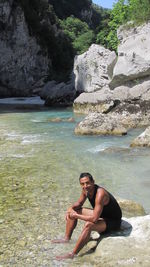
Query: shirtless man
(104,217)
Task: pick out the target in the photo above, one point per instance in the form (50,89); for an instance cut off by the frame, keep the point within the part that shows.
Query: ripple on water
(37,121)
(32,138)
(105,146)
(12,136)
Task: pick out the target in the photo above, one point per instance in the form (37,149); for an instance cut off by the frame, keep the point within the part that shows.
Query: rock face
(143,139)
(23,64)
(133,55)
(129,247)
(93,69)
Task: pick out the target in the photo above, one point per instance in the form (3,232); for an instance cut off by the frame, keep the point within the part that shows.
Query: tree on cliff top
(139,10)
(79,32)
(123,11)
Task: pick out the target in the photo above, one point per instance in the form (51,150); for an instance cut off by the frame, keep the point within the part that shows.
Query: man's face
(87,185)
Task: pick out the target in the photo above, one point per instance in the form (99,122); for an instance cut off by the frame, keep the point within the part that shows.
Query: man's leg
(99,227)
(71,223)
(70,226)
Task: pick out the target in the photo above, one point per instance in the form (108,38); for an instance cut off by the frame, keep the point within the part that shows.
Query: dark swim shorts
(112,225)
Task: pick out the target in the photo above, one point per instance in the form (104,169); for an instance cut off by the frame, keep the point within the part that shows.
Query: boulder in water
(100,124)
(143,139)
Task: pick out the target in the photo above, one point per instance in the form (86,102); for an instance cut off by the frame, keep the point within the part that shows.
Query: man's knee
(88,225)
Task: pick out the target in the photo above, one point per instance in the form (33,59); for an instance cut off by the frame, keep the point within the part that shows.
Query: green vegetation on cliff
(118,16)
(123,11)
(139,10)
(79,33)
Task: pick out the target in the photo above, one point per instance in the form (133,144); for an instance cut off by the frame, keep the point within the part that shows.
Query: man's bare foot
(60,241)
(65,256)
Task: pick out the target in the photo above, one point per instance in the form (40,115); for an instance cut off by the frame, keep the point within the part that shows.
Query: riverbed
(40,162)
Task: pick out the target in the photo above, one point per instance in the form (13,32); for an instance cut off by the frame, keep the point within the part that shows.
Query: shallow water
(40,162)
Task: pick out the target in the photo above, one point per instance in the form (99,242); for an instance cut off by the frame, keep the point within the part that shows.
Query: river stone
(100,124)
(70,119)
(58,119)
(143,139)
(133,55)
(93,69)
(117,122)
(128,247)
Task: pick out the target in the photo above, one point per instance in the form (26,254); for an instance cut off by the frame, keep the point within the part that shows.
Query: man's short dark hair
(86,174)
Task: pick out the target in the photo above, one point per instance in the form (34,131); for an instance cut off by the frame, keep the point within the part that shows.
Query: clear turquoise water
(40,162)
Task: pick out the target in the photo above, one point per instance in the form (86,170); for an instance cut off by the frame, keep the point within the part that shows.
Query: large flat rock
(129,247)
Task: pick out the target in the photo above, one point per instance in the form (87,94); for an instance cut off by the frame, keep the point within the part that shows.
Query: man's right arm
(77,205)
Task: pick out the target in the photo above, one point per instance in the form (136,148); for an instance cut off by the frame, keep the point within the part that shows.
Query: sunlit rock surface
(143,139)
(133,54)
(100,124)
(129,247)
(112,123)
(93,68)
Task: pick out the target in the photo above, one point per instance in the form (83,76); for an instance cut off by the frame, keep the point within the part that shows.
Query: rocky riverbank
(121,102)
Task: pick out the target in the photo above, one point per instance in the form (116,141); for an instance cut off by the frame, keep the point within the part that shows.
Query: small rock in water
(71,120)
(116,150)
(54,119)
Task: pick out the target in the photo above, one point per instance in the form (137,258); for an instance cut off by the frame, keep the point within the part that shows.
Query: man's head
(87,182)
(86,174)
